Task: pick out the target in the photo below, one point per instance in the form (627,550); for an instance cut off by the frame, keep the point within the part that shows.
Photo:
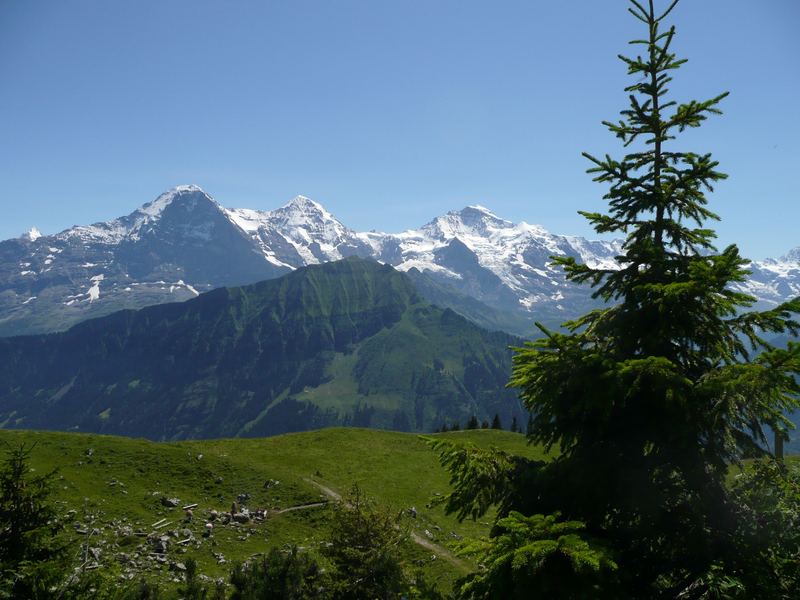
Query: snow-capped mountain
(184,242)
(773,281)
(299,233)
(171,249)
(496,261)
(792,256)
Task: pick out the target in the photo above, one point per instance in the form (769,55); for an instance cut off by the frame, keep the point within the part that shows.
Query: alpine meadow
(209,403)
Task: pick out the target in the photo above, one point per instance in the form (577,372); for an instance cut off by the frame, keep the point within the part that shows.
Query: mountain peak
(157,206)
(479,216)
(304,204)
(32,234)
(469,221)
(187,188)
(792,256)
(478,208)
(302,210)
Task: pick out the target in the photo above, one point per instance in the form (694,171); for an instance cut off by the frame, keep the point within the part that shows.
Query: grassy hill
(111,491)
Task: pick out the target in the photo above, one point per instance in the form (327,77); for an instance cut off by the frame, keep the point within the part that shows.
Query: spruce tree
(280,575)
(32,555)
(496,424)
(651,398)
(365,551)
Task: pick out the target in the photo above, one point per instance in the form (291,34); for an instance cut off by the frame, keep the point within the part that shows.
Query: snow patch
(32,234)
(94,291)
(188,287)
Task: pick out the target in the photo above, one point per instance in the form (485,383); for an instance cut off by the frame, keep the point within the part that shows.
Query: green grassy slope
(115,486)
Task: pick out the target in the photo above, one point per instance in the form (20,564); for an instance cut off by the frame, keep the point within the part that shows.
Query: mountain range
(348,342)
(488,269)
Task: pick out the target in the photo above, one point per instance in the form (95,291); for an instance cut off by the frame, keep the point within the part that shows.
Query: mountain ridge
(184,242)
(347,342)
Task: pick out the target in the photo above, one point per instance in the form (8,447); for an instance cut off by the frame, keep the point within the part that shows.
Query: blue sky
(388,113)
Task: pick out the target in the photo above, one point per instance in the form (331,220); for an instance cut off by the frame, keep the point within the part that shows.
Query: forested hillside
(349,342)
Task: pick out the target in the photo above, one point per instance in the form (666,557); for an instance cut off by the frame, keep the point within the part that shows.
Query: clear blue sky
(388,113)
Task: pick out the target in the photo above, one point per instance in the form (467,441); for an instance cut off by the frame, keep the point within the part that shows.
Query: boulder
(161,545)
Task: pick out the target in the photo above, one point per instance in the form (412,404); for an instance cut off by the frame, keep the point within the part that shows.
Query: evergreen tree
(485,424)
(651,398)
(536,553)
(496,424)
(530,426)
(140,590)
(455,427)
(195,589)
(291,575)
(364,550)
(444,428)
(514,424)
(32,556)
(769,494)
(473,422)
